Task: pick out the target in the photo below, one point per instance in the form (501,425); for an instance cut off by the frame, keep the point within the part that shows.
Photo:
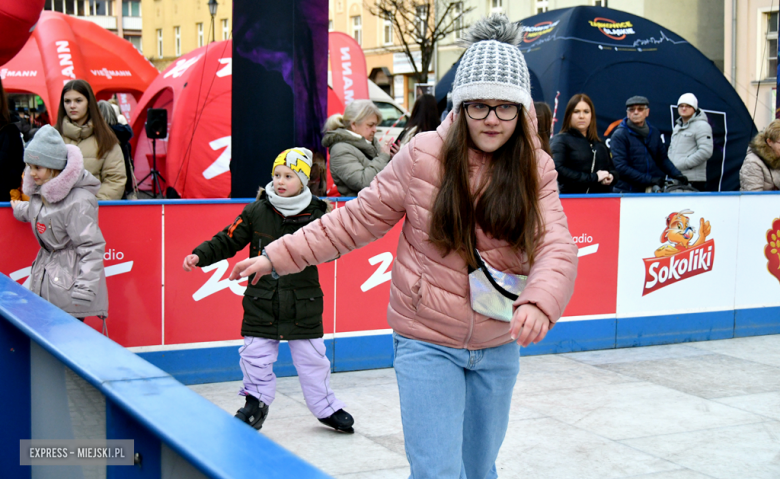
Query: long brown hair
(5,115)
(593,134)
(106,139)
(507,205)
(544,124)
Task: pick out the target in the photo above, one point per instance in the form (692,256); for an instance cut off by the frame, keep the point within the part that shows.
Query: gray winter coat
(691,146)
(761,168)
(354,162)
(68,271)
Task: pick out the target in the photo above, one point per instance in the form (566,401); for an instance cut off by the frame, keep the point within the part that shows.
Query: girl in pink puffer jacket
(480,181)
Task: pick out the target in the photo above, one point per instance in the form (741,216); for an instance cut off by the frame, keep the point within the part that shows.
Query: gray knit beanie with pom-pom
(493,67)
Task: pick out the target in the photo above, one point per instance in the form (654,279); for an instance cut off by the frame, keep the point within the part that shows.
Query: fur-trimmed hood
(762,150)
(73,176)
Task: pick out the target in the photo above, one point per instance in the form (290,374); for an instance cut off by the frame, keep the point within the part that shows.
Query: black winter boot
(340,420)
(254,412)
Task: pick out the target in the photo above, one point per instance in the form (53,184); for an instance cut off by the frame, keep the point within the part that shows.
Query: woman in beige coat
(80,123)
(761,169)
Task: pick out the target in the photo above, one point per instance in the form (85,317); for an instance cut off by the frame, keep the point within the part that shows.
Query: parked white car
(394,116)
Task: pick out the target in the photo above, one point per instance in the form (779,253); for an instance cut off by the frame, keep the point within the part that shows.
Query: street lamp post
(213,11)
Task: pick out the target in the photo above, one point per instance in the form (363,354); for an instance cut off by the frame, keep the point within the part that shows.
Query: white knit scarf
(288,206)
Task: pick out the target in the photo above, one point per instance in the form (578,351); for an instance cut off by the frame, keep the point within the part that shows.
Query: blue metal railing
(142,402)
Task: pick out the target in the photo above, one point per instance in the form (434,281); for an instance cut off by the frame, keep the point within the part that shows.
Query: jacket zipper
(592,166)
(471,320)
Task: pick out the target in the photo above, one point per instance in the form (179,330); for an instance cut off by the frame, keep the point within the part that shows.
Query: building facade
(388,66)
(750,52)
(122,17)
(173,28)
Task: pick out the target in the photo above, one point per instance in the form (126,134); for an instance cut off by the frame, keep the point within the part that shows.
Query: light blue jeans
(454,406)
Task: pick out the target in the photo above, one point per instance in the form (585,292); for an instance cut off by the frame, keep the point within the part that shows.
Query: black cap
(637,100)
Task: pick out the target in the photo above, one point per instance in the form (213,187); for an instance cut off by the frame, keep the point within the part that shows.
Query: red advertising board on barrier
(132,260)
(594,223)
(203,306)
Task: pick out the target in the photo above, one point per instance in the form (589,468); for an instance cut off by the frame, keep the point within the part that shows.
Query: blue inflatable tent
(612,55)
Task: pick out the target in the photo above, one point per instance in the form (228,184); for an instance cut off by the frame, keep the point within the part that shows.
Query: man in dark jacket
(639,153)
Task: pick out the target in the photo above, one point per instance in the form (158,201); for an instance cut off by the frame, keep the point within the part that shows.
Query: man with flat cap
(638,152)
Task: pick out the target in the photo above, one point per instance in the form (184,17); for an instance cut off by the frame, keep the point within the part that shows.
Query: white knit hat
(493,67)
(689,99)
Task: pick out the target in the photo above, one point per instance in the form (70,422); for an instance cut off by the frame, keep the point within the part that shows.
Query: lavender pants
(258,356)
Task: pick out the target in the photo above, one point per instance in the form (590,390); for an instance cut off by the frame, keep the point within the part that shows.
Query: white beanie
(493,67)
(689,99)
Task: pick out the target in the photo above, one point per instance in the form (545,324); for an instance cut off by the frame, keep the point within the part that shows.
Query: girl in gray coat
(691,144)
(355,154)
(68,271)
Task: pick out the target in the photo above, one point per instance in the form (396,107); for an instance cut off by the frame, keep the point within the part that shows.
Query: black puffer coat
(286,308)
(577,160)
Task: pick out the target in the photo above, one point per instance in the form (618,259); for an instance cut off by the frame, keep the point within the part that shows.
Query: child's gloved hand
(190,261)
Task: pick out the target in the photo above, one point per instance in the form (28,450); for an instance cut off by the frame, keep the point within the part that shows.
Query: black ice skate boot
(254,412)
(340,420)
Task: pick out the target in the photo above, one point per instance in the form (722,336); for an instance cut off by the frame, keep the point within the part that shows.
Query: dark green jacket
(286,308)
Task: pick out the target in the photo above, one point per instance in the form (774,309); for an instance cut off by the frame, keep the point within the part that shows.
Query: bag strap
(489,276)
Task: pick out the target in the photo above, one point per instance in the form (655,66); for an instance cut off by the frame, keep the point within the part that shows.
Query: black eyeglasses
(480,111)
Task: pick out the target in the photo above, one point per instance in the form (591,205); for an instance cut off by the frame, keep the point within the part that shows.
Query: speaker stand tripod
(154,173)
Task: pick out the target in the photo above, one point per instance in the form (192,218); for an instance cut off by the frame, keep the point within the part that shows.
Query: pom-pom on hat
(47,149)
(689,99)
(493,67)
(297,159)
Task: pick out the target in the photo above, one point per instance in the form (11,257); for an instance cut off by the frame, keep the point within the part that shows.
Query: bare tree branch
(420,25)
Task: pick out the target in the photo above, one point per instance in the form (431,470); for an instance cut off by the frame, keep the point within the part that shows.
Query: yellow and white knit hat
(297,159)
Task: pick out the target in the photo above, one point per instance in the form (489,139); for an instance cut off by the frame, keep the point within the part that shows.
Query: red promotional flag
(64,48)
(348,68)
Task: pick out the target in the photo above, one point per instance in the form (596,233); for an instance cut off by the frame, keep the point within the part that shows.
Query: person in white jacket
(691,144)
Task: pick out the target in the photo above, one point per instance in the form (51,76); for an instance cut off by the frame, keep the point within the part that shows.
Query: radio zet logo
(679,257)
(612,29)
(772,249)
(533,33)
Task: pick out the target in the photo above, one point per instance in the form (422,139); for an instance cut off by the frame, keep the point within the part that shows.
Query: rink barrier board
(40,343)
(598,220)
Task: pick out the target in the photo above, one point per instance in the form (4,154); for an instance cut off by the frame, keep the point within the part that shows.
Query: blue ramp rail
(60,379)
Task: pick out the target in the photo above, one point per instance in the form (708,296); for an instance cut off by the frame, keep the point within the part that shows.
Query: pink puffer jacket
(429,295)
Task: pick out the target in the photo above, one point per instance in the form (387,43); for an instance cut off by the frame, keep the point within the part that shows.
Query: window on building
(200,34)
(177,40)
(159,43)
(69,10)
(225,29)
(387,32)
(131,8)
(330,25)
(357,29)
(496,4)
(541,6)
(102,7)
(598,3)
(770,67)
(136,41)
(457,13)
(421,21)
